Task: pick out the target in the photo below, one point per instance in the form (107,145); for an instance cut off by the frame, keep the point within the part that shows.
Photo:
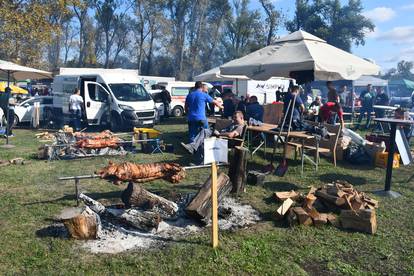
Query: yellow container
(152,133)
(381,160)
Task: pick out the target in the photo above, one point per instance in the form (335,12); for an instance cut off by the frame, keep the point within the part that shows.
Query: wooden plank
(281,196)
(214,206)
(282,210)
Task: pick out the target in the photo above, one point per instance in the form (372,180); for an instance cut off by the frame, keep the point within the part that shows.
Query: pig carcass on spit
(105,139)
(128,171)
(98,143)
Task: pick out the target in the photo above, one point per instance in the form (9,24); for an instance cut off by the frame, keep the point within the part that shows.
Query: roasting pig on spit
(128,171)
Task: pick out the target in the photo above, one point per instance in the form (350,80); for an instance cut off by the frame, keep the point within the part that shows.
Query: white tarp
(300,51)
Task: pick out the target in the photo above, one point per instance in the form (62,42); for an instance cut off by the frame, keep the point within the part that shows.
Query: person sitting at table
(235,130)
(399,114)
(298,107)
(326,113)
(314,107)
(254,110)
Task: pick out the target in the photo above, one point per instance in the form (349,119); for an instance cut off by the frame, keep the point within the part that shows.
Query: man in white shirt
(75,108)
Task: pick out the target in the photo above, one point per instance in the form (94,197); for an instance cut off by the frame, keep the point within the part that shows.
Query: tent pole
(7,108)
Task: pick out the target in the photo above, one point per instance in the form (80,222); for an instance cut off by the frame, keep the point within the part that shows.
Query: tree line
(180,38)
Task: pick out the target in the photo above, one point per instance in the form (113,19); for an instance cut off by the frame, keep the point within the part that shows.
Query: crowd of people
(296,107)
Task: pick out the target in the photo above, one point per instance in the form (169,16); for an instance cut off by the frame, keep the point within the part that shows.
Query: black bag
(357,155)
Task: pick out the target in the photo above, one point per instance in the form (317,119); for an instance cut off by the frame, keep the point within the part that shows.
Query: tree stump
(200,207)
(237,170)
(82,223)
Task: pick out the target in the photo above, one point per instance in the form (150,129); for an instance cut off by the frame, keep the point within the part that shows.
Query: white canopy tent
(11,72)
(215,75)
(298,52)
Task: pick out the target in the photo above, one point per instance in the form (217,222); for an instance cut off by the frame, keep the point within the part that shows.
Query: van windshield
(129,92)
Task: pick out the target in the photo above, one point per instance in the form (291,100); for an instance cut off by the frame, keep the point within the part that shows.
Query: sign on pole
(215,150)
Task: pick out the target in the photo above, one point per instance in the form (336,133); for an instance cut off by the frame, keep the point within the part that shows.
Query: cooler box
(381,160)
(152,133)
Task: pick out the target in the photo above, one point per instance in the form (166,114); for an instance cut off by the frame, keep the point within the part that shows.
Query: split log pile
(320,206)
(138,173)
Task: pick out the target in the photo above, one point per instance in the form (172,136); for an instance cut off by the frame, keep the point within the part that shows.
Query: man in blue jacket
(195,107)
(254,109)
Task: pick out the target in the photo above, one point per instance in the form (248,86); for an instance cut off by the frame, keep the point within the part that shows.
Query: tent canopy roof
(300,52)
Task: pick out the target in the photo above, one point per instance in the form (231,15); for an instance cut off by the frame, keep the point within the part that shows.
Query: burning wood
(142,172)
(139,219)
(357,210)
(135,195)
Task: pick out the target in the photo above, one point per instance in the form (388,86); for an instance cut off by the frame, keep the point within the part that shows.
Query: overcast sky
(393,38)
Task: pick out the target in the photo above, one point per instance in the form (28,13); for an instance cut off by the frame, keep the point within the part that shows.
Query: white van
(149,81)
(113,97)
(179,91)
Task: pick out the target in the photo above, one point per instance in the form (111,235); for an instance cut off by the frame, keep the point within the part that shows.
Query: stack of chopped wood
(46,136)
(356,210)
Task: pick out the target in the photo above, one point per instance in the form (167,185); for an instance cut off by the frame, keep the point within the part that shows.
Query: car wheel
(178,111)
(115,123)
(16,120)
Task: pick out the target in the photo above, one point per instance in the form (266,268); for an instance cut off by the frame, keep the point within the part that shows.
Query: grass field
(30,196)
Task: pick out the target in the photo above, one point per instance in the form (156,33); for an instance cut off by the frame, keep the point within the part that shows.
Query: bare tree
(272,19)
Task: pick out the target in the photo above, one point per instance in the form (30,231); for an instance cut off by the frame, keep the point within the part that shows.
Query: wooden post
(77,191)
(214,205)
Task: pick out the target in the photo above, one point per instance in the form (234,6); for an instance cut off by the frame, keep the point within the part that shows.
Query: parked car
(23,111)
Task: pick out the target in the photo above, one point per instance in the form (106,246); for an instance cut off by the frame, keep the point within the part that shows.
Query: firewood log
(142,220)
(363,220)
(136,196)
(200,207)
(81,223)
(237,170)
